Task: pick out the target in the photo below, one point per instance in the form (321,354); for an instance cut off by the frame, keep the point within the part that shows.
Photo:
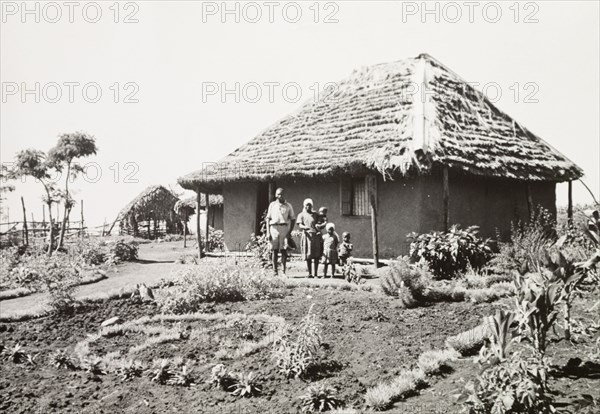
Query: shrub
(259,244)
(60,276)
(319,398)
(295,351)
(527,240)
(221,282)
(516,386)
(124,251)
(408,282)
(450,253)
(93,253)
(260,247)
(216,241)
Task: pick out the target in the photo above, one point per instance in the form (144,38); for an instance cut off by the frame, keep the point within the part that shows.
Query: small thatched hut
(395,148)
(214,214)
(150,215)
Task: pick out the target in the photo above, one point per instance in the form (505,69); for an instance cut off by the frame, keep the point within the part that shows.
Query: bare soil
(367,338)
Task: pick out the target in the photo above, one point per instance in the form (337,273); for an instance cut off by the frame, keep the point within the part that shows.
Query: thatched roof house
(150,214)
(436,149)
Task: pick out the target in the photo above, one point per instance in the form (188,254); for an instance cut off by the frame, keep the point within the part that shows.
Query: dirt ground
(367,338)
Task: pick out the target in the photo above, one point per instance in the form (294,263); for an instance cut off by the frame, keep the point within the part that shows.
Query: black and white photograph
(279,207)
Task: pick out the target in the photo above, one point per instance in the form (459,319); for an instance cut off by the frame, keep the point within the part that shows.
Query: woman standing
(311,238)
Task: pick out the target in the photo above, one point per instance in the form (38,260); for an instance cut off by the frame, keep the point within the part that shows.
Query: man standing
(280,222)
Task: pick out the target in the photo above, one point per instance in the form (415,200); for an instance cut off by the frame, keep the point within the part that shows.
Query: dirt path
(156,261)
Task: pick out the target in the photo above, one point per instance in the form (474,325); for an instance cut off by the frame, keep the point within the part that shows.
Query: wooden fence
(15,233)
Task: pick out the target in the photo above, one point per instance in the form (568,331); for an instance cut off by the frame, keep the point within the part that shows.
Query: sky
(167,86)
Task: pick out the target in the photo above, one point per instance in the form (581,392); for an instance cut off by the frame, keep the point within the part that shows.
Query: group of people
(319,239)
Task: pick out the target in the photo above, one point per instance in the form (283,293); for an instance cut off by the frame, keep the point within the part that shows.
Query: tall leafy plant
(537,306)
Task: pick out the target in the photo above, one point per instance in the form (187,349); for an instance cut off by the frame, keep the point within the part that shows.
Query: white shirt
(280,213)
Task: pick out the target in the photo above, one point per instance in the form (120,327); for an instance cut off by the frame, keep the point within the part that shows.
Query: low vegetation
(222,282)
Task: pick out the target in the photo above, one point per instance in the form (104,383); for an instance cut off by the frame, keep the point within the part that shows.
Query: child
(345,250)
(320,226)
(321,219)
(330,246)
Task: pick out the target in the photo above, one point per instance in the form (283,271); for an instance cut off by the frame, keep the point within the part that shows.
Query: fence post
(25,230)
(82,228)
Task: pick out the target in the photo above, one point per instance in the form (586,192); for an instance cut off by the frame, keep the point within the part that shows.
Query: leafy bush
(60,277)
(93,253)
(221,282)
(450,253)
(295,351)
(216,241)
(124,251)
(516,386)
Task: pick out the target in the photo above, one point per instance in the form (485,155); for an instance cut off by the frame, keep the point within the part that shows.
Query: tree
(33,163)
(4,188)
(62,157)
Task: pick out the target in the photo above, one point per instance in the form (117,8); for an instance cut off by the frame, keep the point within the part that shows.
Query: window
(354,197)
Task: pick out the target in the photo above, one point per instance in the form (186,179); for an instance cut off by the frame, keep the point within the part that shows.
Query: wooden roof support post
(570,204)
(206,202)
(198,231)
(271,192)
(371,182)
(446,199)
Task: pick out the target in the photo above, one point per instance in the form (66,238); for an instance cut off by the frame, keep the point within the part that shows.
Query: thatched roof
(374,120)
(155,201)
(213,200)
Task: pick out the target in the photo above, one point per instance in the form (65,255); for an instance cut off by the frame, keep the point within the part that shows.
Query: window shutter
(360,201)
(345,197)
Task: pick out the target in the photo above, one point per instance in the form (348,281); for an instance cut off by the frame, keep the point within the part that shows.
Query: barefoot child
(330,246)
(320,226)
(345,250)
